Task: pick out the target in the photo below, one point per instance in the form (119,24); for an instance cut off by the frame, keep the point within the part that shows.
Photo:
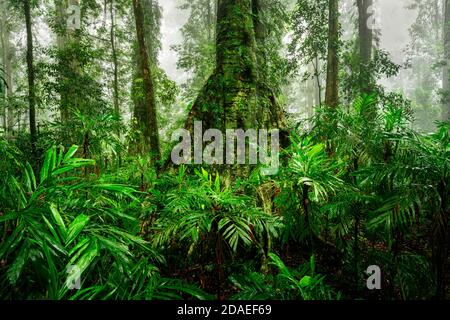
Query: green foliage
(310,33)
(58,220)
(358,77)
(196,53)
(387,184)
(198,207)
(287,284)
(311,167)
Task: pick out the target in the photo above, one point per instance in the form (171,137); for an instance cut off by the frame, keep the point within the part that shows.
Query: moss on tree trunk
(235,95)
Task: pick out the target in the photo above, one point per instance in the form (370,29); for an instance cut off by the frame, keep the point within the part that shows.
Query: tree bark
(146,116)
(8,56)
(31,76)
(65,38)
(318,87)
(332,89)
(235,95)
(365,45)
(446,68)
(311,95)
(115,61)
(60,9)
(150,23)
(3,90)
(210,19)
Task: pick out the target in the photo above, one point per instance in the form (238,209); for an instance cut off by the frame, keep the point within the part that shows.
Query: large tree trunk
(446,69)
(332,89)
(365,45)
(235,95)
(146,116)
(31,76)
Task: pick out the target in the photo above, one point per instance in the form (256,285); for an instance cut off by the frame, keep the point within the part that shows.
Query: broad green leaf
(15,269)
(52,230)
(78,250)
(85,260)
(70,153)
(305,281)
(217,184)
(60,157)
(47,166)
(53,273)
(75,228)
(30,174)
(59,220)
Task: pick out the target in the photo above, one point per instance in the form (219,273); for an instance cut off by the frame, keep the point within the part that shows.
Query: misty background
(394,20)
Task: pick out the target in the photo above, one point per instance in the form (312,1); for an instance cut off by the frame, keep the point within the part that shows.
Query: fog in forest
(392,18)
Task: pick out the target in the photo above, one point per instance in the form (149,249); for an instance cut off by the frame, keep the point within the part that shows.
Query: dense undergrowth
(352,192)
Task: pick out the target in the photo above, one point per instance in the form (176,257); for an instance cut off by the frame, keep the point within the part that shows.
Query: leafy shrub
(299,284)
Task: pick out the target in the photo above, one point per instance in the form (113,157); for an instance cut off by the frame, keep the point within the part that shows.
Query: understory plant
(64,237)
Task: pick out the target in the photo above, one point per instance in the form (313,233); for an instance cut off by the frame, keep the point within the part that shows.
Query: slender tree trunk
(147,116)
(115,70)
(4,90)
(210,18)
(318,87)
(31,76)
(332,89)
(365,45)
(311,101)
(115,62)
(64,39)
(138,97)
(8,56)
(446,69)
(4,53)
(437,19)
(60,9)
